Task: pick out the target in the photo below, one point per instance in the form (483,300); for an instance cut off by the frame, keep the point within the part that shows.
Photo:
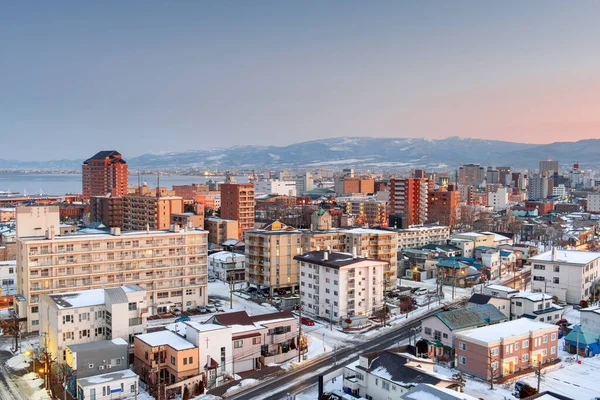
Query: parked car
(251,289)
(307,321)
(420,291)
(176,312)
(183,319)
(276,300)
(212,280)
(562,322)
(211,309)
(203,310)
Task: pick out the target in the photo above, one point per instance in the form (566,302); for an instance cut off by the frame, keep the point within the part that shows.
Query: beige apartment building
(141,212)
(373,243)
(170,265)
(270,256)
(219,230)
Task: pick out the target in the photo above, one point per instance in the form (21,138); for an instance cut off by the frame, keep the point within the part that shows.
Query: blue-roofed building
(588,342)
(439,329)
(454,272)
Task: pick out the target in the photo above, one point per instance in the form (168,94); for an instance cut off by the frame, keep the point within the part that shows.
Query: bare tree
(460,380)
(492,368)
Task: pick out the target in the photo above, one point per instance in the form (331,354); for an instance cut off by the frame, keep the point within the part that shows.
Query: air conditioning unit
(108,366)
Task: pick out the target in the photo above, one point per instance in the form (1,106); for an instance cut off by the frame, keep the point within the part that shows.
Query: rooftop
(99,345)
(471,316)
(204,327)
(532,296)
(165,338)
(106,378)
(502,288)
(517,327)
(334,260)
(567,256)
(425,391)
(87,298)
(81,235)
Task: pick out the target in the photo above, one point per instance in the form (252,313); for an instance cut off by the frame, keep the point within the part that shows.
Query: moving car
(307,321)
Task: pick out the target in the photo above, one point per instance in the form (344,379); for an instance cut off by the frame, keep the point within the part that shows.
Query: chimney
(354,255)
(325,255)
(554,253)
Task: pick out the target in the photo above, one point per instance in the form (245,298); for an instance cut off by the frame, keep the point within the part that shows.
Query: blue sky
(76,77)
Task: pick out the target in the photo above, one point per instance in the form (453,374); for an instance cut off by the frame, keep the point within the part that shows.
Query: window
(238,343)
(184,360)
(132,306)
(494,365)
(172,360)
(428,331)
(518,304)
(556,280)
(256,340)
(190,360)
(552,350)
(556,268)
(495,351)
(132,388)
(545,338)
(385,385)
(553,336)
(517,346)
(525,357)
(525,344)
(539,266)
(538,278)
(462,360)
(135,321)
(462,345)
(445,335)
(544,352)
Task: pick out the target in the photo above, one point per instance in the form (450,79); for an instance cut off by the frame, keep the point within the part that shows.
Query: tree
(492,368)
(460,380)
(186,393)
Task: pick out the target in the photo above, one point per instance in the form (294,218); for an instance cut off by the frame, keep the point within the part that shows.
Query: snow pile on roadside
(18,362)
(41,394)
(245,382)
(33,380)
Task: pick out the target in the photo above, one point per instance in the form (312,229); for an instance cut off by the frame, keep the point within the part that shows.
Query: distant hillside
(357,151)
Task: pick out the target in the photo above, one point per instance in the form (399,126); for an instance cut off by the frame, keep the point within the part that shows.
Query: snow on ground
(33,380)
(19,361)
(571,315)
(245,382)
(479,388)
(334,382)
(40,394)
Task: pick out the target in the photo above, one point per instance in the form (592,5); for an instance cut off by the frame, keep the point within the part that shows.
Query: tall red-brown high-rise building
(409,198)
(104,173)
(237,203)
(442,206)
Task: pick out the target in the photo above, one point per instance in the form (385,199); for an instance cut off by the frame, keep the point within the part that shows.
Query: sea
(59,184)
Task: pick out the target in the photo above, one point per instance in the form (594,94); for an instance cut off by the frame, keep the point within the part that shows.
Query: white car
(420,291)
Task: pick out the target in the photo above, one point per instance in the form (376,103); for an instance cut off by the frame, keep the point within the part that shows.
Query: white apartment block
(498,200)
(560,191)
(170,265)
(593,202)
(8,277)
(417,236)
(535,306)
(340,285)
(91,315)
(566,274)
(275,186)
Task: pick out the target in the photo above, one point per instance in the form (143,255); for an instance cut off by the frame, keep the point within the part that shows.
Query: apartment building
(170,265)
(340,285)
(418,236)
(270,255)
(367,211)
(566,274)
(442,206)
(535,306)
(165,357)
(593,202)
(548,167)
(350,185)
(506,348)
(471,174)
(227,266)
(409,198)
(149,212)
(379,244)
(276,186)
(109,386)
(107,210)
(188,219)
(538,187)
(219,230)
(237,203)
(189,192)
(87,316)
(104,173)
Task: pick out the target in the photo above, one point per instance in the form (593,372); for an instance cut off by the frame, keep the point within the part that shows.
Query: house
(590,318)
(566,274)
(506,348)
(91,315)
(261,339)
(505,292)
(95,358)
(341,285)
(439,329)
(164,357)
(417,265)
(389,374)
(428,391)
(502,304)
(583,341)
(110,386)
(535,306)
(227,266)
(453,271)
(466,246)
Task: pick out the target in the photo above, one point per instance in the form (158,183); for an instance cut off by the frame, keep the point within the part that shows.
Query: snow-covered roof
(568,256)
(426,391)
(501,287)
(370,231)
(106,378)
(84,298)
(244,328)
(204,327)
(226,256)
(165,338)
(532,296)
(493,333)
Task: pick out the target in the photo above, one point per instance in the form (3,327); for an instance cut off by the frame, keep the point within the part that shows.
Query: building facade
(442,206)
(418,236)
(409,197)
(237,203)
(107,210)
(149,212)
(105,173)
(335,286)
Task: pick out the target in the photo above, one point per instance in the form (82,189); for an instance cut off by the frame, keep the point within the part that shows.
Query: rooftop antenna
(158,185)
(139,183)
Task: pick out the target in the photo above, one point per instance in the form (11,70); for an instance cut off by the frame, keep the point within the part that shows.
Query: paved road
(8,389)
(276,389)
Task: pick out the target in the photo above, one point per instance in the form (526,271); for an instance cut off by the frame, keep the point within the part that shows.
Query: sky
(160,76)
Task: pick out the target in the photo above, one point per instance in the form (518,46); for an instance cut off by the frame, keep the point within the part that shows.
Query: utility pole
(299,329)
(577,349)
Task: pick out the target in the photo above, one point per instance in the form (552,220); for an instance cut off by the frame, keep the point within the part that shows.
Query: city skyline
(151,77)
